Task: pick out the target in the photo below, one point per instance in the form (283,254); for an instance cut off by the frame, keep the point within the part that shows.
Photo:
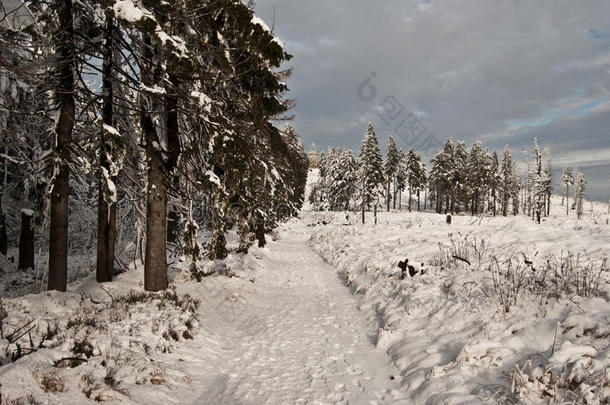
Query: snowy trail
(296,337)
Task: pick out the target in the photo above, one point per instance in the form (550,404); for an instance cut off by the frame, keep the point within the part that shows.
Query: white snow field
(284,331)
(496,330)
(321,316)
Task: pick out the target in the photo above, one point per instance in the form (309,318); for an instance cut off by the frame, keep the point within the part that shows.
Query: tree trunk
(3,237)
(363,213)
(26,241)
(375,213)
(568,200)
(58,224)
(106,217)
(425,198)
(388,196)
(155,260)
(173,148)
(400,199)
(410,198)
(418,200)
(394,201)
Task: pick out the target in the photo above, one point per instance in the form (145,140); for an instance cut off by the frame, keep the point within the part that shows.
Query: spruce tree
(567,180)
(391,168)
(579,195)
(371,171)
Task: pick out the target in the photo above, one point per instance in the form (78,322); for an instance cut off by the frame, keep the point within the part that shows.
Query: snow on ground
(447,330)
(287,326)
(284,330)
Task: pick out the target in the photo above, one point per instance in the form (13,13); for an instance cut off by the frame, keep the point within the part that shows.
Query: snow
(128,11)
(259,21)
(112,192)
(320,316)
(213,178)
(112,130)
(155,89)
(27,212)
(446,330)
(203,99)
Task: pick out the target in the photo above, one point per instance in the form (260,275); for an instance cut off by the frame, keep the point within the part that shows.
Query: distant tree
(460,177)
(507,182)
(493,181)
(548,181)
(567,180)
(478,168)
(579,195)
(538,181)
(401,178)
(391,168)
(415,176)
(441,176)
(371,170)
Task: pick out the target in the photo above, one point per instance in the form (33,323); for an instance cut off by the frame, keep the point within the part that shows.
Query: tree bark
(3,237)
(394,194)
(155,260)
(363,208)
(106,217)
(60,188)
(26,241)
(173,149)
(388,196)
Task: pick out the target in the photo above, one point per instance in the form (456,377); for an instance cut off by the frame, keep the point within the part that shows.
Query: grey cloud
(468,67)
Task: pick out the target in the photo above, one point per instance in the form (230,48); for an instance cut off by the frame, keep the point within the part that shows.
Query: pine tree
(493,181)
(460,177)
(548,181)
(60,189)
(415,176)
(567,180)
(538,183)
(402,175)
(507,184)
(371,171)
(442,173)
(579,195)
(477,169)
(391,168)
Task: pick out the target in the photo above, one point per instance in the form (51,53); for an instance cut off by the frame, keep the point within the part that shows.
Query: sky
(499,71)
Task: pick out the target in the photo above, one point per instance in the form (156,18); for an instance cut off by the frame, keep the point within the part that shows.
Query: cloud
(501,71)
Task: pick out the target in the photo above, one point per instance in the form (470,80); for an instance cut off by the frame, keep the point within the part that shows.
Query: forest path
(296,337)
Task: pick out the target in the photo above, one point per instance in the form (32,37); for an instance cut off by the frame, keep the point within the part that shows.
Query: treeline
(460,180)
(152,117)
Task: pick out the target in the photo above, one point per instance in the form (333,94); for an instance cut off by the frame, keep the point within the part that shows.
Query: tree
(371,170)
(548,181)
(508,183)
(567,180)
(390,169)
(59,187)
(442,173)
(110,157)
(402,175)
(494,180)
(415,175)
(478,169)
(581,190)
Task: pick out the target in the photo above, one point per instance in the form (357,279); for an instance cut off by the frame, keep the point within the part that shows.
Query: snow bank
(448,331)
